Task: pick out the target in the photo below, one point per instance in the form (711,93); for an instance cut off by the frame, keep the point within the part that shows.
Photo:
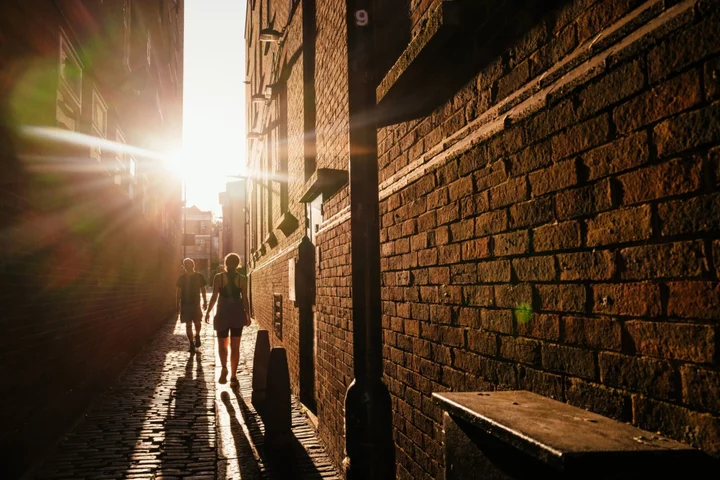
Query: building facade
(549,209)
(234,221)
(90,102)
(198,224)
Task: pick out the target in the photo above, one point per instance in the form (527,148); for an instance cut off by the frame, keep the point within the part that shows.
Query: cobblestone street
(166,418)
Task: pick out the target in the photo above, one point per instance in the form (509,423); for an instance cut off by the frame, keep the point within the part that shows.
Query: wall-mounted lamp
(270,35)
(254,135)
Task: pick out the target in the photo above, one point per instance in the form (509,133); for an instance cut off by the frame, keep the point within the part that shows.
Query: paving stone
(160,411)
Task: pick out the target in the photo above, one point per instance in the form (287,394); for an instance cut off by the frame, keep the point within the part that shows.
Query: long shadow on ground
(297,464)
(246,461)
(137,426)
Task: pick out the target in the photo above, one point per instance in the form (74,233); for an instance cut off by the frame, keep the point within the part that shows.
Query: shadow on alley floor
(308,460)
(167,418)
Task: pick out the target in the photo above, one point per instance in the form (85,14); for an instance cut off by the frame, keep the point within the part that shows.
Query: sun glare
(176,162)
(204,175)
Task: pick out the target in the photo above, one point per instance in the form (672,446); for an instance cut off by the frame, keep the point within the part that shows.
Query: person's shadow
(296,463)
(244,454)
(188,426)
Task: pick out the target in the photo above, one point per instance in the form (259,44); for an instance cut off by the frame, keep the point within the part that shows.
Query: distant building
(233,201)
(199,224)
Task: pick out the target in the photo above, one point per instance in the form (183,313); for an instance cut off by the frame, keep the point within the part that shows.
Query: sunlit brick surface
(158,421)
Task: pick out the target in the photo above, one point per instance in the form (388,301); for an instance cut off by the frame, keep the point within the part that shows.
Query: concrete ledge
(325,182)
(502,431)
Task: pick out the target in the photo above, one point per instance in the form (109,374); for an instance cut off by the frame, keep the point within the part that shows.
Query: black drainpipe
(369,446)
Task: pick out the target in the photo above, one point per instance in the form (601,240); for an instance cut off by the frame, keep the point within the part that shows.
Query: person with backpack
(233,313)
(190,285)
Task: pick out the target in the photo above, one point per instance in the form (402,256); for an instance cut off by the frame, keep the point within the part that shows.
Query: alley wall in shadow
(87,271)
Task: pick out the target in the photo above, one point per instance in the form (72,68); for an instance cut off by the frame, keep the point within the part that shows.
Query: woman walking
(231,316)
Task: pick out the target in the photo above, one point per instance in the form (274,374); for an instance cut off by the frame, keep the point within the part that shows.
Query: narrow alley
(476,239)
(167,418)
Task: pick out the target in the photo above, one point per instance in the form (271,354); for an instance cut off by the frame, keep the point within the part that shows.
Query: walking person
(190,286)
(230,291)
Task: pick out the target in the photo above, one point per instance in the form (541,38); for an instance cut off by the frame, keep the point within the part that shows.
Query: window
(315,217)
(70,69)
(267,185)
(120,159)
(127,16)
(99,115)
(259,210)
(277,153)
(203,226)
(99,123)
(149,49)
(283,148)
(69,90)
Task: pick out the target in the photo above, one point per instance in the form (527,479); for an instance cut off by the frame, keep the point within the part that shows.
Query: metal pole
(369,444)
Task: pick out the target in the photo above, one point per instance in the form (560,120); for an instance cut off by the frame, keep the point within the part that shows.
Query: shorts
(232,332)
(190,313)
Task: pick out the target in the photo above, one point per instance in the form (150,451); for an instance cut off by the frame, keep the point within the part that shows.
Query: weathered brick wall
(270,272)
(83,287)
(333,149)
(564,236)
(334,314)
(86,276)
(334,335)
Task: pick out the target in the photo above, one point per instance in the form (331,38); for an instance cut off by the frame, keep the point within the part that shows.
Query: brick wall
(87,275)
(269,272)
(334,335)
(554,227)
(83,286)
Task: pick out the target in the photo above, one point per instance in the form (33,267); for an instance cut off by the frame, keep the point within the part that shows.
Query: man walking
(189,287)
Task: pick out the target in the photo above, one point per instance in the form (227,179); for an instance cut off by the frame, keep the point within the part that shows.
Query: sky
(214,98)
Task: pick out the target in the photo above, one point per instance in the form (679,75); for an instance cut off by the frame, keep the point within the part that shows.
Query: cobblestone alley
(167,418)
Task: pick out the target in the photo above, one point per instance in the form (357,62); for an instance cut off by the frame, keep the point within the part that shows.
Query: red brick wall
(83,287)
(563,239)
(552,227)
(334,336)
(86,276)
(270,270)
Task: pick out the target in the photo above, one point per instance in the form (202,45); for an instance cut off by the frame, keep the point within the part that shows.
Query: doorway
(305,286)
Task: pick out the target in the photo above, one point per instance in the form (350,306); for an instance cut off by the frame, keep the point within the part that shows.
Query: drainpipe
(369,445)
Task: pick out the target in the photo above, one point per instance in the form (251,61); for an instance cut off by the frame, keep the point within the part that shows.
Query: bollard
(277,407)
(261,360)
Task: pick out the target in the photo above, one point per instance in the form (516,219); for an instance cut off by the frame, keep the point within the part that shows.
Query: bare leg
(198,326)
(234,356)
(223,351)
(189,333)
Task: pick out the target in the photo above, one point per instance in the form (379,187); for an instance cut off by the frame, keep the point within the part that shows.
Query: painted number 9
(361,18)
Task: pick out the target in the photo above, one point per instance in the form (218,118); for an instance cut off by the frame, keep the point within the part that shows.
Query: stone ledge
(560,436)
(325,182)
